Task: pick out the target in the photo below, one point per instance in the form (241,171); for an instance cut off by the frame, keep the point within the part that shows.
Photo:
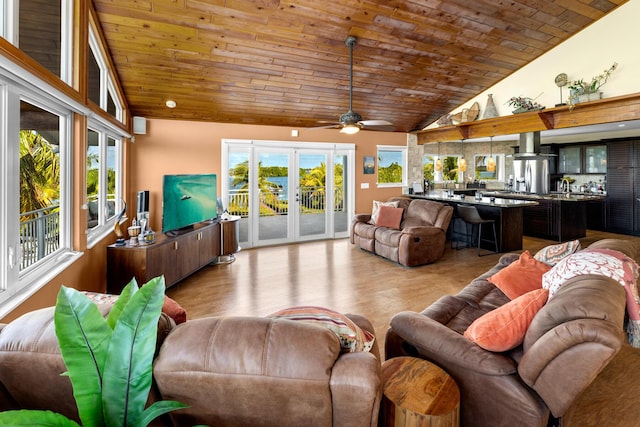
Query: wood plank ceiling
(276,62)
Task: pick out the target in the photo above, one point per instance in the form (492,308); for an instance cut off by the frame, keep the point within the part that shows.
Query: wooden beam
(608,110)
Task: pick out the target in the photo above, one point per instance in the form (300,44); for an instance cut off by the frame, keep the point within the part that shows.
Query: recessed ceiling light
(171,103)
(621,125)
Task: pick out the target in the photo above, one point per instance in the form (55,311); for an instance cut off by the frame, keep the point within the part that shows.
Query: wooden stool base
(418,393)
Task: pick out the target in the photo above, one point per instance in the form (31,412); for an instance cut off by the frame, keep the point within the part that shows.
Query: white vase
(586,97)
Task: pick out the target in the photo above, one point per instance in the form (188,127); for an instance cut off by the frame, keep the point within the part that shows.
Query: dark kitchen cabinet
(570,159)
(623,187)
(557,219)
(597,215)
(582,159)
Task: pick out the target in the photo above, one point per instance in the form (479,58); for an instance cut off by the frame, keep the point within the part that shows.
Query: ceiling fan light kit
(350,129)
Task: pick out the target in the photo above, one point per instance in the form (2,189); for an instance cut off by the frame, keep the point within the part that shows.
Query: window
(449,170)
(428,167)
(104,192)
(38,143)
(480,167)
(93,71)
(43,30)
(102,89)
(35,214)
(391,166)
(3,18)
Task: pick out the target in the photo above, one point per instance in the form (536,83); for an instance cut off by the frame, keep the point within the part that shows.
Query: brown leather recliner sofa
(570,341)
(232,371)
(420,239)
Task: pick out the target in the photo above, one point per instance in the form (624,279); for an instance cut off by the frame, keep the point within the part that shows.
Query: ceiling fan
(351,122)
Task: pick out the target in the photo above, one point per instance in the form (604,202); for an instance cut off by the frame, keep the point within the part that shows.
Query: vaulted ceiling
(285,63)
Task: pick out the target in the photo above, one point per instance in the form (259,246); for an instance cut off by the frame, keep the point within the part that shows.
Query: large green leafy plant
(109,360)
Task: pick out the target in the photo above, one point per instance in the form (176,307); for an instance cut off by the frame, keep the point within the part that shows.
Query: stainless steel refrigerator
(531,174)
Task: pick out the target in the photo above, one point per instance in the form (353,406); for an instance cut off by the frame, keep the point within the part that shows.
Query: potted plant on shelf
(522,104)
(109,361)
(582,91)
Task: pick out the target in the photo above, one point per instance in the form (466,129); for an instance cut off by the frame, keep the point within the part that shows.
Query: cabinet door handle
(175,245)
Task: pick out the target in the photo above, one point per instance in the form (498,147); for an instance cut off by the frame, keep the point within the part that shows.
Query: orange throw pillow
(505,327)
(389,217)
(520,276)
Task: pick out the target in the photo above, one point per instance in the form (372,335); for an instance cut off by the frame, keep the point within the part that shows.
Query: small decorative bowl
(133,231)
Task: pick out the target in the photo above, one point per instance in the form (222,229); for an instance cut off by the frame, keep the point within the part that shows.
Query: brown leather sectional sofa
(232,371)
(420,239)
(569,342)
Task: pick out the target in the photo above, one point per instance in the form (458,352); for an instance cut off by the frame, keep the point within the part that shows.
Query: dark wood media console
(174,257)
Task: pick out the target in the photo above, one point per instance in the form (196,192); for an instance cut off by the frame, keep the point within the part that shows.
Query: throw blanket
(605,262)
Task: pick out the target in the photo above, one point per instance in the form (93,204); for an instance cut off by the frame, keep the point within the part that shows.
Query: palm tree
(314,180)
(39,172)
(269,196)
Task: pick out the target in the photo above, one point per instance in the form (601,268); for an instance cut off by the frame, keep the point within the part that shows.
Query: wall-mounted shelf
(608,110)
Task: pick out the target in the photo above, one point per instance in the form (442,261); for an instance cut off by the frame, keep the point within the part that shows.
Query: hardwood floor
(336,275)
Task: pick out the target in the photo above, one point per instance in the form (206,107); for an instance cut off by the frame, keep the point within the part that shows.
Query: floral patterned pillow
(553,254)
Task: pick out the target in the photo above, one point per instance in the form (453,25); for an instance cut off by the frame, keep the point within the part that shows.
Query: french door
(287,192)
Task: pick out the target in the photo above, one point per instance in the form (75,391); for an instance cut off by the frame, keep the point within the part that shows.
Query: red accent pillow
(505,327)
(389,217)
(174,310)
(520,276)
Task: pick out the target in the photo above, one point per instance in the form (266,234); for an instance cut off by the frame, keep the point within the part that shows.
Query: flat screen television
(187,200)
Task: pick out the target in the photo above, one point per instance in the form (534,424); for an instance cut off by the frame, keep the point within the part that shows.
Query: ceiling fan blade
(333,126)
(379,125)
(375,123)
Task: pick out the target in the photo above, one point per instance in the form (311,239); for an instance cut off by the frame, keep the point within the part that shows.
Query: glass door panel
(287,193)
(238,193)
(273,195)
(340,193)
(312,195)
(596,159)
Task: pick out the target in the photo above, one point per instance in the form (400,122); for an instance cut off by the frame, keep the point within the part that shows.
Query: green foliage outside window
(39,172)
(390,163)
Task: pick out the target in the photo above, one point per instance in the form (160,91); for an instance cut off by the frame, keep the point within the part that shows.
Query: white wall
(583,56)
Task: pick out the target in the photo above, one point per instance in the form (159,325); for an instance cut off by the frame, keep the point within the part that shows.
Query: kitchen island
(559,217)
(506,212)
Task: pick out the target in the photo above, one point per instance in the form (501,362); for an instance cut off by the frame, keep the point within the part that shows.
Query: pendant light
(491,163)
(438,165)
(462,163)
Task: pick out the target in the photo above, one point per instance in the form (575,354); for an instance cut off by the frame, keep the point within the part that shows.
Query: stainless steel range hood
(529,145)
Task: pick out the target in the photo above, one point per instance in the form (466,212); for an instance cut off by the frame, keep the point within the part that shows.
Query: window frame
(10,30)
(441,173)
(500,166)
(16,285)
(393,149)
(105,222)
(107,81)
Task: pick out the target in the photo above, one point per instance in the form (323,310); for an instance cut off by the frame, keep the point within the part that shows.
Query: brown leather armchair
(31,365)
(241,371)
(420,240)
(570,341)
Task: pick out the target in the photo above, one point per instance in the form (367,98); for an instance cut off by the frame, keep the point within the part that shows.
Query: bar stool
(471,217)
(455,232)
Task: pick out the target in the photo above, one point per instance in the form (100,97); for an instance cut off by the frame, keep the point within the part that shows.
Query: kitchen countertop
(568,197)
(486,199)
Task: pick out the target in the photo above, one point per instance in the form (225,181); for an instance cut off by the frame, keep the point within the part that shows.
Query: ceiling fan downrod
(350,117)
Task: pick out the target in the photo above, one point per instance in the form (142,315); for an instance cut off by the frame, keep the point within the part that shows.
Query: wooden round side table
(418,393)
